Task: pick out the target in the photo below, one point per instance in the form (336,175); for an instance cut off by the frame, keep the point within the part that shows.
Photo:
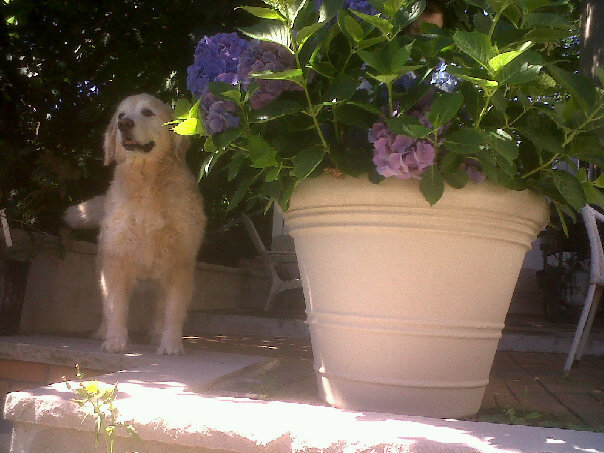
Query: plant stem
(390,101)
(541,167)
(484,110)
(304,84)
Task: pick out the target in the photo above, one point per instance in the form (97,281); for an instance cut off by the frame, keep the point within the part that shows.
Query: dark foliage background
(64,67)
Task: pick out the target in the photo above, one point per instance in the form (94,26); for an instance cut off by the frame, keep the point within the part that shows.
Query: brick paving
(524,388)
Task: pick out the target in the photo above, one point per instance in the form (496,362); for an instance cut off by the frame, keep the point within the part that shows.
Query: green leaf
(465,141)
(350,27)
(531,5)
(375,60)
(329,8)
(570,188)
(522,69)
(432,185)
(389,79)
(276,109)
(391,7)
(382,24)
(503,144)
(342,88)
(306,32)
(406,16)
(272,174)
(236,162)
(407,125)
(399,57)
(181,109)
(370,42)
(580,87)
(457,179)
(269,30)
(475,44)
(599,182)
(600,74)
(501,60)
(307,160)
(293,75)
(240,193)
(593,195)
(325,68)
(354,115)
(488,85)
(191,126)
(263,13)
(225,138)
(547,20)
(286,194)
(225,91)
(444,108)
(262,153)
(450,162)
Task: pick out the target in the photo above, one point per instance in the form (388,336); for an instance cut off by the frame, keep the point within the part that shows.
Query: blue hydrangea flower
(216,58)
(442,80)
(362,6)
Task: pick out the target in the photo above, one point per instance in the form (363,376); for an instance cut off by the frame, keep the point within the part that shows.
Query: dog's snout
(125,124)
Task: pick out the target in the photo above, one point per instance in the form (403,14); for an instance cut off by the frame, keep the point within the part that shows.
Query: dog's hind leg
(116,286)
(159,310)
(178,284)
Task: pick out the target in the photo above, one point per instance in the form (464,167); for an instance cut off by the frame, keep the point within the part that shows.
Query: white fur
(151,225)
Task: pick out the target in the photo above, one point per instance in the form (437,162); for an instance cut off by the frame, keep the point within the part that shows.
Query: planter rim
(327,192)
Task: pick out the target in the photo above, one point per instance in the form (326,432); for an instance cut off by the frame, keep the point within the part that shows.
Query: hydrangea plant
(346,87)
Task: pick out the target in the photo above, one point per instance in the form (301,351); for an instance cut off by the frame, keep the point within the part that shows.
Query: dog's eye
(147,112)
(120,116)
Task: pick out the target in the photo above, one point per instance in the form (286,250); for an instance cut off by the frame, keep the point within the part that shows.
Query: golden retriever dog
(151,222)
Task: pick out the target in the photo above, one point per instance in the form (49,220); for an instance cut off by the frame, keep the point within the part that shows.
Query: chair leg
(590,321)
(580,328)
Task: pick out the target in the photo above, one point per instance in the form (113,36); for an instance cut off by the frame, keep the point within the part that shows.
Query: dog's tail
(87,214)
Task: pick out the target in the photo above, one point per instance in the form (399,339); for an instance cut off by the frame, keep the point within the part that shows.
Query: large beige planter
(406,302)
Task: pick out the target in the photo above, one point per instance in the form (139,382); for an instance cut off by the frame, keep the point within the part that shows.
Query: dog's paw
(171,346)
(115,344)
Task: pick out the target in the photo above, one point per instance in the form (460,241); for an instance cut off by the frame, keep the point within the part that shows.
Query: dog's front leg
(116,287)
(178,284)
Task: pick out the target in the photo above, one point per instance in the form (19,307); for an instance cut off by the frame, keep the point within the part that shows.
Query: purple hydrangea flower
(219,115)
(399,155)
(216,58)
(473,170)
(266,56)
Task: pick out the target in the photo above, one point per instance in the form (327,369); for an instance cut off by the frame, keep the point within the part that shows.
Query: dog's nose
(125,124)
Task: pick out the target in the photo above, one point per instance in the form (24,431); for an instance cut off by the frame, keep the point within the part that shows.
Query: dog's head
(137,131)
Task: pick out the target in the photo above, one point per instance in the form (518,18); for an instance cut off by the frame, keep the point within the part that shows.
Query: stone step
(168,402)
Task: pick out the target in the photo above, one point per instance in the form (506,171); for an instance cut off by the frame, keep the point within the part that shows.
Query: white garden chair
(596,284)
(281,263)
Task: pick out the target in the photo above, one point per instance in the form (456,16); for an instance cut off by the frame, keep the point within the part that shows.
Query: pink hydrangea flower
(399,155)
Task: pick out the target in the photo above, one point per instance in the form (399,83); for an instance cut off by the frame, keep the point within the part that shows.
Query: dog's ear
(109,142)
(180,144)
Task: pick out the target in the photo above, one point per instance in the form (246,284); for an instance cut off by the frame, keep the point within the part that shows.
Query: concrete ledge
(164,399)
